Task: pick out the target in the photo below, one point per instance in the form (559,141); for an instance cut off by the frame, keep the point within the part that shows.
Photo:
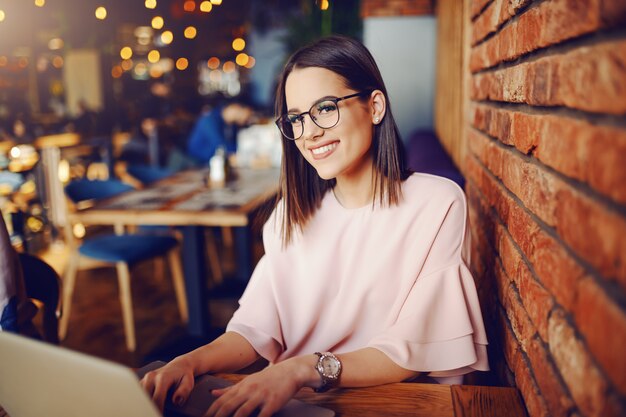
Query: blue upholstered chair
(147,174)
(119,249)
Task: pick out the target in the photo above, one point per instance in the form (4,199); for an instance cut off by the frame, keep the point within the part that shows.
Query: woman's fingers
(185,385)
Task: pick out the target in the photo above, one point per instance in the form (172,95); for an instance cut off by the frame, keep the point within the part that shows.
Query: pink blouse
(392,278)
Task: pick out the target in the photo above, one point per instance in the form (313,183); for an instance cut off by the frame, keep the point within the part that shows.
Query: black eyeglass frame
(301,115)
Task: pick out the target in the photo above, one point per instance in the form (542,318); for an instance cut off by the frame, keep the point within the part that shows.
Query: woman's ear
(378,105)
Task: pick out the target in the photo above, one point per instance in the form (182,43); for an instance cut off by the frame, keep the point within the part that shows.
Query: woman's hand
(178,373)
(266,391)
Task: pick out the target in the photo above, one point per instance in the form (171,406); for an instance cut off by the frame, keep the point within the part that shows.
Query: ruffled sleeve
(257,318)
(439,328)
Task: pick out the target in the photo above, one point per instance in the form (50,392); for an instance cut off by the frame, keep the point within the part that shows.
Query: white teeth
(323,149)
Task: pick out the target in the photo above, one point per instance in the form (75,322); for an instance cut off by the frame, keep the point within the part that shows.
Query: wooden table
(415,400)
(185,200)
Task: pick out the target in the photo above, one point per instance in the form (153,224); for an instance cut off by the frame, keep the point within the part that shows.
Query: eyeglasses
(324,113)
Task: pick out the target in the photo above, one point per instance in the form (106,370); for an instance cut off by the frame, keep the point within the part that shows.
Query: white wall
(404,49)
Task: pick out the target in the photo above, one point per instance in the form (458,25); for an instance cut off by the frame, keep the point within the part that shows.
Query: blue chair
(147,174)
(120,249)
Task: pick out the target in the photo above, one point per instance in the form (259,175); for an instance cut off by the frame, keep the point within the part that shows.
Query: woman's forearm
(361,368)
(228,353)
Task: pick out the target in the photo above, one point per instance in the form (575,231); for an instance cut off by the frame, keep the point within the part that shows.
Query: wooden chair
(119,249)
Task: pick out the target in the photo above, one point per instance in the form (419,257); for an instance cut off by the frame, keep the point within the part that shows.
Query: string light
(229,66)
(213,63)
(150,4)
(189,6)
(116,71)
(324,4)
(182,64)
(190,32)
(126,52)
(167,37)
(101,13)
(239,44)
(216,2)
(2,15)
(157,22)
(154,56)
(250,63)
(242,59)
(206,6)
(40,3)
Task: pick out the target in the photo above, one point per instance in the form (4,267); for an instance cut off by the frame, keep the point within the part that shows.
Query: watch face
(330,366)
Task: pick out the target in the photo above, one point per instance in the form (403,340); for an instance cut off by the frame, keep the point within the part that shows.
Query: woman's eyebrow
(295,110)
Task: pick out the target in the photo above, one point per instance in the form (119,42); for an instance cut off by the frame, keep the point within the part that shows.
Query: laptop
(38,379)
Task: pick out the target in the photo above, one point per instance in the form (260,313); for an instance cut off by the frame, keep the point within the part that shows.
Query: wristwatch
(329,368)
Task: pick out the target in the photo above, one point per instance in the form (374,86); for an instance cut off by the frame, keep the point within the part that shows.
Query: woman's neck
(354,191)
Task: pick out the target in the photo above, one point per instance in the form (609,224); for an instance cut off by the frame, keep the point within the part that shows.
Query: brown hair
(301,189)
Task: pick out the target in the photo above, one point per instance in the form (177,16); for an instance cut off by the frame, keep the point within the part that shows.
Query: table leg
(243,250)
(194,254)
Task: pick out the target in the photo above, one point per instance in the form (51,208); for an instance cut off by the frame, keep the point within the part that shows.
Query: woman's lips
(323,151)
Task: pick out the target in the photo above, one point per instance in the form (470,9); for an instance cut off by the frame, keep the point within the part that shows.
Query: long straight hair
(301,188)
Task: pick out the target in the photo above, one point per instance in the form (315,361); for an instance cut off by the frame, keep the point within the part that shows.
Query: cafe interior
(133,247)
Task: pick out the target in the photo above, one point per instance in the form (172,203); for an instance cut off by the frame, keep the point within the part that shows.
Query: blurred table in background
(185,200)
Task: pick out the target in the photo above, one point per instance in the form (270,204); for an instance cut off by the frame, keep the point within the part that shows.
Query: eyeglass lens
(325,114)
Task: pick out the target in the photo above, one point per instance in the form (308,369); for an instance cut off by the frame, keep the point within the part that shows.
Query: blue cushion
(147,174)
(84,189)
(126,248)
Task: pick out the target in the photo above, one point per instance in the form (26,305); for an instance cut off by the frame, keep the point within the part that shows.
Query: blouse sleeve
(439,328)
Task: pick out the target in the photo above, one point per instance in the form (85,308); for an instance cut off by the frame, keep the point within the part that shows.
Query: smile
(324,149)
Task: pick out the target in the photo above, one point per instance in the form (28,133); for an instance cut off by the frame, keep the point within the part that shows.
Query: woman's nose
(311,130)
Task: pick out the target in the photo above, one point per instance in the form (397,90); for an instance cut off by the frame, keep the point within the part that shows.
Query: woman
(363,281)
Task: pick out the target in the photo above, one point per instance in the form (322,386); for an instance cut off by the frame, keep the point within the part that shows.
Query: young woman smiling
(364,279)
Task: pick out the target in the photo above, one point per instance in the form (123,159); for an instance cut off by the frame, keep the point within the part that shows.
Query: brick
(576,148)
(546,24)
(548,380)
(588,78)
(603,324)
(582,377)
(477,6)
(593,232)
(494,16)
(524,380)
(588,227)
(613,12)
(554,267)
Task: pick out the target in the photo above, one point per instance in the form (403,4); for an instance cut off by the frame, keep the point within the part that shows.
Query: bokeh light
(190,32)
(189,5)
(157,22)
(150,4)
(101,13)
(251,62)
(55,44)
(206,6)
(40,3)
(216,2)
(167,37)
(182,64)
(239,44)
(229,66)
(126,52)
(154,56)
(213,63)
(2,15)
(57,62)
(242,59)
(127,64)
(116,71)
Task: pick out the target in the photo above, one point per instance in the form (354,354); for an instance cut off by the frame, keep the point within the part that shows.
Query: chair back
(85,189)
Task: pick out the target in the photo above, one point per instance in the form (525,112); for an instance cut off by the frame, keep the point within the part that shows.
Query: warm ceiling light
(127,64)
(216,2)
(154,56)
(57,62)
(190,32)
(213,63)
(126,52)
(55,43)
(189,6)
(157,22)
(242,59)
(229,66)
(167,37)
(2,15)
(150,4)
(141,69)
(251,62)
(40,3)
(239,44)
(324,4)
(117,71)
(101,13)
(182,64)
(206,6)
(156,72)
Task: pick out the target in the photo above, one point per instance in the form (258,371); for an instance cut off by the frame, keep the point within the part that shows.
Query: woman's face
(342,151)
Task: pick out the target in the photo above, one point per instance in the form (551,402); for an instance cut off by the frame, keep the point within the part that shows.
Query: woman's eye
(326,107)
(294,118)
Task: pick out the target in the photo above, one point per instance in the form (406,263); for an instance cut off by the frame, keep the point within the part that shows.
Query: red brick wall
(546,169)
(379,8)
